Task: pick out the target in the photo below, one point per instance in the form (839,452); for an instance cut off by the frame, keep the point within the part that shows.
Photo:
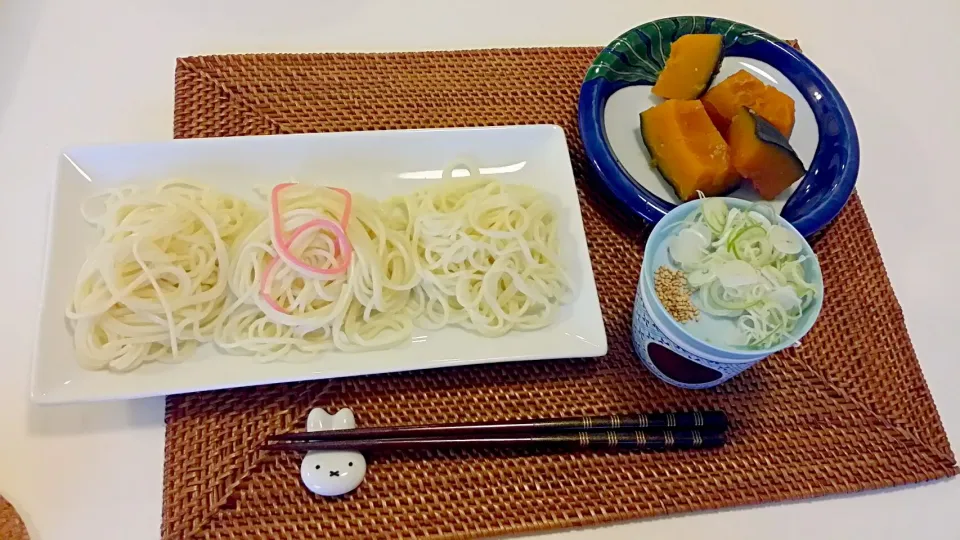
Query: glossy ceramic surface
(379,164)
(617,88)
(652,323)
(648,331)
(333,473)
(655,255)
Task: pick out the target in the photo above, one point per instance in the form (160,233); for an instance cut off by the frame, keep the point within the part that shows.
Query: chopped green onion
(743,264)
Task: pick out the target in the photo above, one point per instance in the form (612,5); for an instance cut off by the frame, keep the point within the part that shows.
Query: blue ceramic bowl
(655,255)
(652,323)
(616,89)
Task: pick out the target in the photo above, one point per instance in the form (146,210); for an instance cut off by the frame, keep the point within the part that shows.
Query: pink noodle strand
(339,231)
(265,285)
(323,225)
(347,206)
(275,208)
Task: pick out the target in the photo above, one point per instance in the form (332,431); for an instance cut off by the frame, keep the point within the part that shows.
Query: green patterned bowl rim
(633,58)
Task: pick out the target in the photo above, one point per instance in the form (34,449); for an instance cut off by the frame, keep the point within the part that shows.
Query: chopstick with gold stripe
(704,421)
(571,440)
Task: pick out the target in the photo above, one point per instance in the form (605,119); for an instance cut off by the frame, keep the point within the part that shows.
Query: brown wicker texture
(847,411)
(11,526)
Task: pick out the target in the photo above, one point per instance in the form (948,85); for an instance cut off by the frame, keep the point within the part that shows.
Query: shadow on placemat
(847,411)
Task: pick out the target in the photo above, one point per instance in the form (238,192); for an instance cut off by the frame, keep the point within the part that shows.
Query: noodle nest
(153,286)
(324,269)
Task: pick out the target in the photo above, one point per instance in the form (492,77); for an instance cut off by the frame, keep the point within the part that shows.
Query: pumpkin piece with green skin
(687,149)
(694,60)
(762,155)
(724,101)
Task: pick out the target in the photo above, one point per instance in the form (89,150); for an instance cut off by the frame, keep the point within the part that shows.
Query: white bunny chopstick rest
(332,473)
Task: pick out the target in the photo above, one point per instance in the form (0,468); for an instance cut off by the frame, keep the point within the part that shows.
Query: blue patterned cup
(668,349)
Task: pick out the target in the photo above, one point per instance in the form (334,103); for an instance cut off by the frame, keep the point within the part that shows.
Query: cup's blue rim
(646,277)
(832,173)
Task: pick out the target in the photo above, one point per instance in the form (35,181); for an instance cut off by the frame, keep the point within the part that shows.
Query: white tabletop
(101,71)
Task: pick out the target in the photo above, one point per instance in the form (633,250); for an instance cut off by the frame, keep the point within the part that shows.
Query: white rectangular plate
(378,164)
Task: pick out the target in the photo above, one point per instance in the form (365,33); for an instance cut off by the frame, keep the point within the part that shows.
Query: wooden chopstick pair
(653,431)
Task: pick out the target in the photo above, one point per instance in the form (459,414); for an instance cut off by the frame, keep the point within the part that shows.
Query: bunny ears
(321,420)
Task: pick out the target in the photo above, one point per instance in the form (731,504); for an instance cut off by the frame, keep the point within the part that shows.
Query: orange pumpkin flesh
(762,155)
(694,60)
(742,89)
(687,149)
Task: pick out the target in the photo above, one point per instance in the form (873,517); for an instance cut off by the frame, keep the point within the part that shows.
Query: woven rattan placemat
(11,526)
(847,411)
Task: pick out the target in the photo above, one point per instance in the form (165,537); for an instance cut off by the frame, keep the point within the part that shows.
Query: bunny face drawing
(337,472)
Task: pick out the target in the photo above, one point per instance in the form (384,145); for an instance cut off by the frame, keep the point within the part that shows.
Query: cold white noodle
(325,269)
(486,253)
(153,286)
(368,306)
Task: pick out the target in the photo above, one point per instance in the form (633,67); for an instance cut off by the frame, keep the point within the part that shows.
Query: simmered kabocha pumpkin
(694,60)
(762,155)
(687,149)
(742,89)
